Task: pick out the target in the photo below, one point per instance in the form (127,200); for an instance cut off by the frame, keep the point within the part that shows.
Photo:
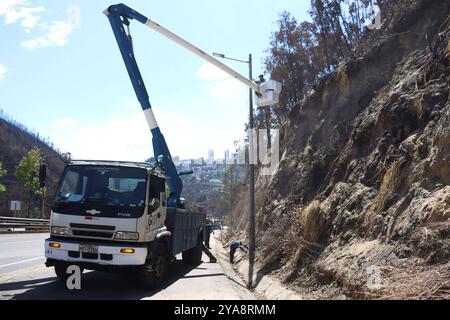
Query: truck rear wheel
(193,257)
(153,273)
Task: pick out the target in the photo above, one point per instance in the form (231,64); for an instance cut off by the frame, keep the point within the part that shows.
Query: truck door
(156,202)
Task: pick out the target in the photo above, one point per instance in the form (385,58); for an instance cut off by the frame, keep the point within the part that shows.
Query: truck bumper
(108,255)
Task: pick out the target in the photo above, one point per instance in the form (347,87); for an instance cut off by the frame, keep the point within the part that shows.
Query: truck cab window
(108,186)
(157,186)
(73,187)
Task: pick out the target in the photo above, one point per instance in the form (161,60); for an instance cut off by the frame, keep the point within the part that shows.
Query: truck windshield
(114,186)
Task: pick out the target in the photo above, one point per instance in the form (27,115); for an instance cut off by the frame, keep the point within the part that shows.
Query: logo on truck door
(93,212)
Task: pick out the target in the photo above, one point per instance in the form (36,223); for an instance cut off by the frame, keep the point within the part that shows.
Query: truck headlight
(61,231)
(123,235)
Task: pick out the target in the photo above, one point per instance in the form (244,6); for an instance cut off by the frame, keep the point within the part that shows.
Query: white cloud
(65,122)
(3,71)
(17,11)
(30,22)
(126,137)
(120,137)
(54,33)
(57,35)
(228,90)
(211,72)
(133,104)
(116,138)
(222,86)
(9,5)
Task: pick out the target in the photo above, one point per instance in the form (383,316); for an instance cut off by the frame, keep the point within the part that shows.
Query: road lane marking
(20,242)
(19,262)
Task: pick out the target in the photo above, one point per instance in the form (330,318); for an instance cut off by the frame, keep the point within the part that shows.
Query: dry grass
(306,230)
(312,222)
(388,185)
(431,284)
(307,152)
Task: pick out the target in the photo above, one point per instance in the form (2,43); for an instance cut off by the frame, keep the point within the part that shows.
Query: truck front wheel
(61,270)
(152,274)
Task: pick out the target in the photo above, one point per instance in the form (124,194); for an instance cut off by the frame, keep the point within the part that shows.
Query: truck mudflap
(108,255)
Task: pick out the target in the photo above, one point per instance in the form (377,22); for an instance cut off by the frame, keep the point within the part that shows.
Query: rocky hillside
(361,201)
(15,142)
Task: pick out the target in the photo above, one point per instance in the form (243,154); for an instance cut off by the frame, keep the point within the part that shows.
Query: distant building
(210,155)
(235,157)
(227,155)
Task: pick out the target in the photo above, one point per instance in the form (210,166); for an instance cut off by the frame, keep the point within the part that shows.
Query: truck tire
(193,257)
(61,270)
(153,273)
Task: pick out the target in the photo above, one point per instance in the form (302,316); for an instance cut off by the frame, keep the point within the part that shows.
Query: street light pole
(252,159)
(251,185)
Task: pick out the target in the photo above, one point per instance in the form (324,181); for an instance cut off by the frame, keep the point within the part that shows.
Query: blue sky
(61,73)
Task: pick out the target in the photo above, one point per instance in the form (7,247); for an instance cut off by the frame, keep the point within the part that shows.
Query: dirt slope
(360,206)
(14,144)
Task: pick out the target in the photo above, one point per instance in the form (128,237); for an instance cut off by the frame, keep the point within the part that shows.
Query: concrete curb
(267,287)
(222,259)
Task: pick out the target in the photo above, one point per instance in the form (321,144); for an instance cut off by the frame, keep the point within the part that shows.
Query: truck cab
(113,216)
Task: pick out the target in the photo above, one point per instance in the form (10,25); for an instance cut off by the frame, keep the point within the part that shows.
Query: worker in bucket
(237,244)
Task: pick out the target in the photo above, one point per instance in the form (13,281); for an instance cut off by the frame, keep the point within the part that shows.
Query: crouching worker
(238,244)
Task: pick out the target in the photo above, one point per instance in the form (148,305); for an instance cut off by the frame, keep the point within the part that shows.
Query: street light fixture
(219,55)
(251,172)
(222,56)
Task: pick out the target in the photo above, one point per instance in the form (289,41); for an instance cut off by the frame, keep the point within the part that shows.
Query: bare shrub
(312,222)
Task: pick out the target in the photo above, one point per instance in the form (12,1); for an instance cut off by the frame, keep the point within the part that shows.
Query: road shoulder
(267,288)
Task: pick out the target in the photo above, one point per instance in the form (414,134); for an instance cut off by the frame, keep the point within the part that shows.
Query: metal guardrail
(9,224)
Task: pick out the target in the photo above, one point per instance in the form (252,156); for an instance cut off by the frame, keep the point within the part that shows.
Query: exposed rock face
(363,186)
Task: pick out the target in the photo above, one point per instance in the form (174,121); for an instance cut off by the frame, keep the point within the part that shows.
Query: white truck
(111,216)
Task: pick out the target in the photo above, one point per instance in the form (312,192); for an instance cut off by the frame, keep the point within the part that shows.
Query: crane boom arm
(119,18)
(129,13)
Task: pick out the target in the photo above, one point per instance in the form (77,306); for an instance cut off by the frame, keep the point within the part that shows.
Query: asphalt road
(21,251)
(23,276)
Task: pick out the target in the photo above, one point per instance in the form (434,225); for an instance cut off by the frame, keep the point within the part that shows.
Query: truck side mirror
(42,175)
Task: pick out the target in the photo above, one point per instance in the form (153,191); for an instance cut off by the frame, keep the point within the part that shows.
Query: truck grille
(92,231)
(91,226)
(95,234)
